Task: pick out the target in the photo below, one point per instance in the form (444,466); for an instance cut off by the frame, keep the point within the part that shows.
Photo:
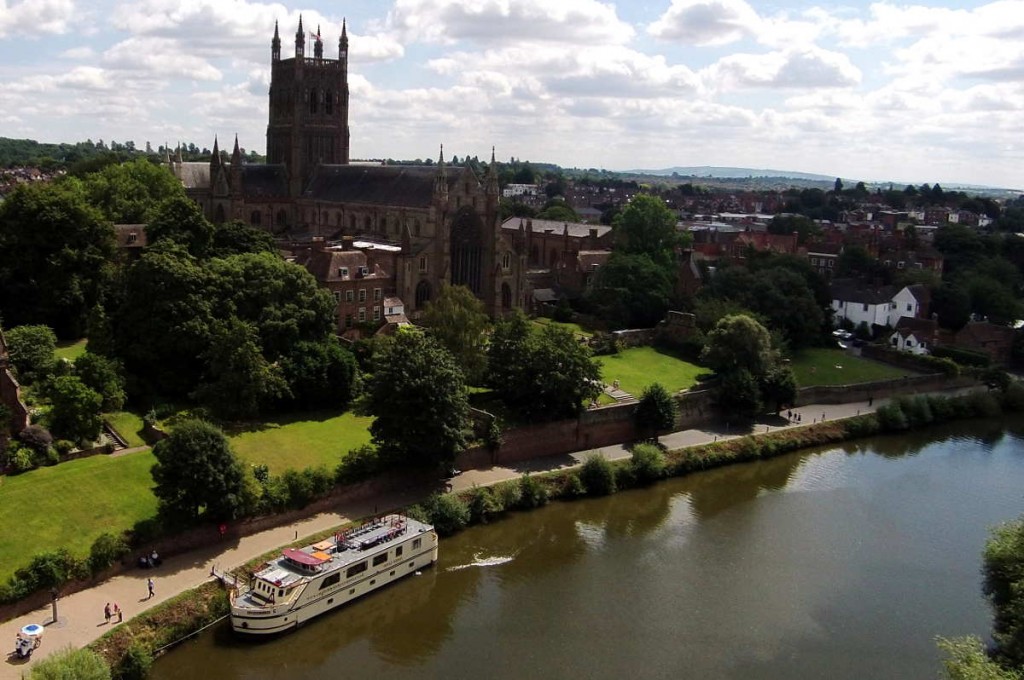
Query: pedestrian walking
(106,613)
(149,583)
(118,613)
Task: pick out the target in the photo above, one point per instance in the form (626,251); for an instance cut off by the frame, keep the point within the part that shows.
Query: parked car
(841,334)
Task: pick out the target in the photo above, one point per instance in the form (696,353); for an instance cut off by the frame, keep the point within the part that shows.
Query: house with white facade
(877,305)
(916,336)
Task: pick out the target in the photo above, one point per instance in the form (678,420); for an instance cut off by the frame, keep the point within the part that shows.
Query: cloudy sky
(880,91)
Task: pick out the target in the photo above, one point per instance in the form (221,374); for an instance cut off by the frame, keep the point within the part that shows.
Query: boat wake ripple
(483,562)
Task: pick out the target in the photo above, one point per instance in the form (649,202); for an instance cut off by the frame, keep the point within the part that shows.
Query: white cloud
(505,21)
(159,58)
(31,17)
(800,68)
(706,22)
(79,53)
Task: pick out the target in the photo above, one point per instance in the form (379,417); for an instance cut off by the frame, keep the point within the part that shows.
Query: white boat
(305,582)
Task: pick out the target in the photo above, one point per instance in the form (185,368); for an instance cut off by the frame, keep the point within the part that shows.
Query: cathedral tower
(308,108)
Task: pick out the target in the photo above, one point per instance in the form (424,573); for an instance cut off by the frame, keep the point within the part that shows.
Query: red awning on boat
(297,555)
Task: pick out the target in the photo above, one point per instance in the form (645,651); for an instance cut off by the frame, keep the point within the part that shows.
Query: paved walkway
(80,615)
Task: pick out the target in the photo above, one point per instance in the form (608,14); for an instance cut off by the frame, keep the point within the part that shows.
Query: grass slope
(638,367)
(128,425)
(836,367)
(70,349)
(70,504)
(302,440)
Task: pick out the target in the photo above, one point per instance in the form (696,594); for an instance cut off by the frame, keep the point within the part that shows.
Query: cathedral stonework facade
(420,227)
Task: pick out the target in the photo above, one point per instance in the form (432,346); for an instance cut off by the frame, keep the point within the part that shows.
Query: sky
(866,91)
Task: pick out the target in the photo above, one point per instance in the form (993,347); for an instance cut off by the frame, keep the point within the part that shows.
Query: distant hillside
(717,172)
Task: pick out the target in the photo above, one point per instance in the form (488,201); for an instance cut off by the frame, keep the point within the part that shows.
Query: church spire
(177,154)
(343,42)
(275,45)
(441,182)
(318,45)
(300,41)
(492,176)
(236,155)
(215,157)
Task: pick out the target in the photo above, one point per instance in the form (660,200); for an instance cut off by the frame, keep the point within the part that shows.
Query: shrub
(105,550)
(508,495)
(891,418)
(916,409)
(656,411)
(982,405)
(49,456)
(573,486)
(80,664)
(604,344)
(943,408)
(482,504)
(358,464)
(598,476)
(964,357)
(64,447)
(36,437)
(135,663)
(1013,398)
(648,463)
(532,493)
(298,488)
(447,513)
(861,426)
(19,459)
(50,569)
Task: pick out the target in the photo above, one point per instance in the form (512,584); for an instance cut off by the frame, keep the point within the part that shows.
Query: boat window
(280,592)
(356,569)
(416,543)
(380,559)
(330,581)
(398,551)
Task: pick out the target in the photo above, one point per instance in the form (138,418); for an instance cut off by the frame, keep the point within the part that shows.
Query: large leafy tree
(631,291)
(1004,587)
(236,238)
(197,474)
(320,374)
(75,414)
(281,299)
(163,325)
(804,227)
(239,382)
(656,410)
(648,226)
(738,342)
(128,193)
(104,376)
(180,219)
(418,395)
(55,256)
(541,374)
(31,351)
(456,318)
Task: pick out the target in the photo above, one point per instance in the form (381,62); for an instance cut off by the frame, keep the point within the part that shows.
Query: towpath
(80,618)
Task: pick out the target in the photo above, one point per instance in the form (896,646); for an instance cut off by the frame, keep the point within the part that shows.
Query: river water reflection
(839,563)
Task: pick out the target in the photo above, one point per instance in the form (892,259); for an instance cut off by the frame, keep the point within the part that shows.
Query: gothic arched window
(506,261)
(328,102)
(282,218)
(422,294)
(506,296)
(312,100)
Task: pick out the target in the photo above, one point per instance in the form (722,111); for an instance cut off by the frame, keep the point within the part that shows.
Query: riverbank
(80,621)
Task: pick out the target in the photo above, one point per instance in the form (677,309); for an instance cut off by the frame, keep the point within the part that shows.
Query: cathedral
(417,227)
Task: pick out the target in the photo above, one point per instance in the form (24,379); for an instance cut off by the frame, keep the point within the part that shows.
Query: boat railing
(352,540)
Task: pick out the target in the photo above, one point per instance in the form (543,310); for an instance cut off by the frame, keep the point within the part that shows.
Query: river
(843,562)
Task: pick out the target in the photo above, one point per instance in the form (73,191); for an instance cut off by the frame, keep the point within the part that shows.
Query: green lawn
(70,349)
(575,328)
(836,367)
(301,441)
(128,425)
(70,504)
(638,367)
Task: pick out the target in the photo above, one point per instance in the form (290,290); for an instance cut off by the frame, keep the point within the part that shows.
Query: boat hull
(279,619)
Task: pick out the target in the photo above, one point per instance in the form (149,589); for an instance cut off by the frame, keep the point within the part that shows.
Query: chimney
(346,243)
(318,244)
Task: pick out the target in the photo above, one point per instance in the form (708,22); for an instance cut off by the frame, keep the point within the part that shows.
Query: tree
(239,382)
(320,374)
(1003,571)
(647,226)
(457,320)
(76,410)
(778,386)
(631,291)
(80,664)
(952,304)
(739,393)
(31,349)
(104,376)
(236,238)
(541,375)
(738,342)
(804,227)
(967,659)
(197,474)
(128,192)
(55,256)
(656,411)
(558,210)
(180,220)
(418,395)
